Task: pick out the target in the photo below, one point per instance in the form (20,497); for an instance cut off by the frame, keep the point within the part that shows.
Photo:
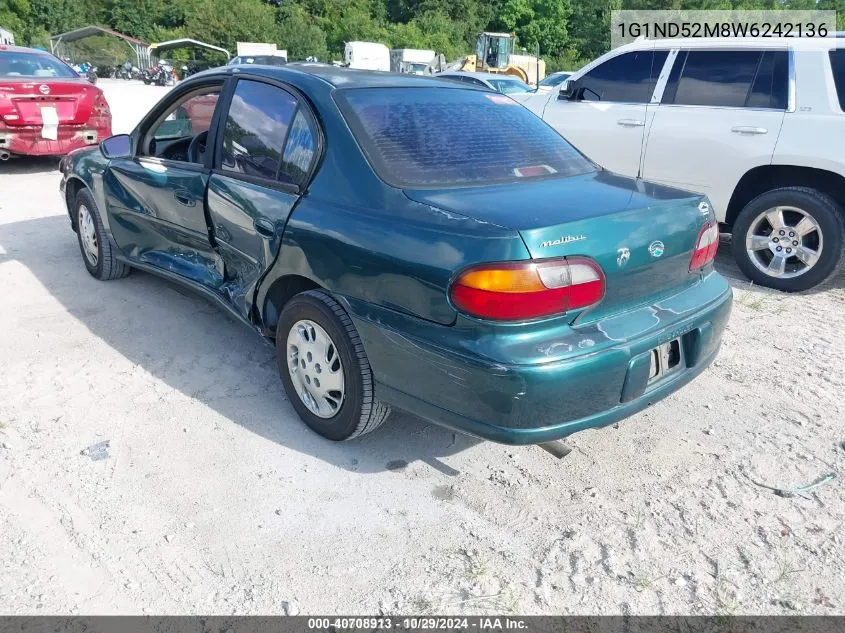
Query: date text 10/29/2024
(426,623)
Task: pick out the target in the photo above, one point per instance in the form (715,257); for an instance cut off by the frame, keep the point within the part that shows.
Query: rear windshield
(267,60)
(509,86)
(555,79)
(32,65)
(430,137)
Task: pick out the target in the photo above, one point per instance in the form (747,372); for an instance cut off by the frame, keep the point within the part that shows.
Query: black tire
(360,411)
(107,265)
(823,209)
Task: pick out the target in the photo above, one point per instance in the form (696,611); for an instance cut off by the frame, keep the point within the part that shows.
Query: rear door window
(300,149)
(627,78)
(725,78)
(256,129)
(505,142)
(837,65)
(268,134)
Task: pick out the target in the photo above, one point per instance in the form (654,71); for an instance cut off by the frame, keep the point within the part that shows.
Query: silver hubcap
(784,242)
(88,234)
(315,368)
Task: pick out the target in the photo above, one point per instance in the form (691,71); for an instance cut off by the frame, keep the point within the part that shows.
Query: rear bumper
(27,140)
(546,385)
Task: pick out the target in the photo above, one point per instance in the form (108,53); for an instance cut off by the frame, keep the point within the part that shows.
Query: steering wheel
(196,150)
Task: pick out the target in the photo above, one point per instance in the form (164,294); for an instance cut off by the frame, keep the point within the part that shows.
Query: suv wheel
(324,368)
(789,239)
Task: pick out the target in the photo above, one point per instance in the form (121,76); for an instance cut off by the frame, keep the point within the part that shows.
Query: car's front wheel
(324,368)
(789,239)
(96,249)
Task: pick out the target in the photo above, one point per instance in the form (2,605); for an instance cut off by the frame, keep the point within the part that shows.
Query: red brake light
(101,106)
(517,291)
(705,246)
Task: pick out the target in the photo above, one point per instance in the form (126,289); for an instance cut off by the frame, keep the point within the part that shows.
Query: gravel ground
(213,498)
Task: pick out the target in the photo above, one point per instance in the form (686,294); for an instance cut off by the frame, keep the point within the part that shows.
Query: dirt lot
(214,498)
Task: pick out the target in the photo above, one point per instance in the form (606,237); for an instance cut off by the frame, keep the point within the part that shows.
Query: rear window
(837,65)
(429,137)
(510,86)
(727,78)
(14,64)
(267,60)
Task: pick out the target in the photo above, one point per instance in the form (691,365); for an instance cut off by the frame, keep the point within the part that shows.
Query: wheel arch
(281,290)
(767,177)
(73,186)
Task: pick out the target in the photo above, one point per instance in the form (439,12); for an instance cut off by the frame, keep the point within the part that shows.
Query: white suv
(757,125)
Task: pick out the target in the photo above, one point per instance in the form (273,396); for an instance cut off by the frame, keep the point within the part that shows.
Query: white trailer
(366,56)
(410,60)
(260,48)
(6,37)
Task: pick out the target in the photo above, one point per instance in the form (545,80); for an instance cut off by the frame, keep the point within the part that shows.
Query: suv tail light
(705,246)
(518,291)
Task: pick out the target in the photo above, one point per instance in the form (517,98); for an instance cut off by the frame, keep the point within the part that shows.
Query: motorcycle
(161,75)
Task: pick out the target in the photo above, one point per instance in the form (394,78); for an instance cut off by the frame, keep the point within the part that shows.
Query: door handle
(631,122)
(184,197)
(264,227)
(748,129)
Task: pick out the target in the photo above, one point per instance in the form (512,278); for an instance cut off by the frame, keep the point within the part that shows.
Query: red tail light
(518,291)
(101,106)
(705,246)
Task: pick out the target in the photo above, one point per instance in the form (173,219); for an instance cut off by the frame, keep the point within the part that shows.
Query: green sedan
(410,243)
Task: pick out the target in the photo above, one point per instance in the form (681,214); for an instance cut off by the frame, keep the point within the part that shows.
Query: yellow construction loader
(494,53)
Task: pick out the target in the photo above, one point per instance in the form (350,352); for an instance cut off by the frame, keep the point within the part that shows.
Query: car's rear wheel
(789,239)
(324,368)
(96,249)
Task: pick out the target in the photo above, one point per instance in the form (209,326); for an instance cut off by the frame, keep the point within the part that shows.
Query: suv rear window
(429,137)
(730,78)
(837,65)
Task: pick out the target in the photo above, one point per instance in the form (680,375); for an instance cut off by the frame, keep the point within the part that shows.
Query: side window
(837,65)
(627,78)
(256,128)
(755,79)
(171,135)
(300,150)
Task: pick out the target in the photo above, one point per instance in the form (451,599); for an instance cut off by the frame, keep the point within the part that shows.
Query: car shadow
(23,165)
(182,339)
(726,265)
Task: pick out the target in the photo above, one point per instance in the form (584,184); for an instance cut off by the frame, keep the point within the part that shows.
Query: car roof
(486,76)
(7,48)
(335,76)
(803,43)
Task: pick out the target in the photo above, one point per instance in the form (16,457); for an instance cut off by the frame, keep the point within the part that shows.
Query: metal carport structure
(139,47)
(184,43)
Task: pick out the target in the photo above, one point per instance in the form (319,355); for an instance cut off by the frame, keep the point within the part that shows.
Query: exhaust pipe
(558,448)
(4,155)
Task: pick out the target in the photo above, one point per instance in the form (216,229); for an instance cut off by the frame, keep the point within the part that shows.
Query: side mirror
(118,146)
(568,90)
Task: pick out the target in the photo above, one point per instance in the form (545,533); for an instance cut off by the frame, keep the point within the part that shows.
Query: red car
(46,108)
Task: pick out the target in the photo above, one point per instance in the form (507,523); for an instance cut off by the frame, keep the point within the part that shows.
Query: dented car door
(268,146)
(156,198)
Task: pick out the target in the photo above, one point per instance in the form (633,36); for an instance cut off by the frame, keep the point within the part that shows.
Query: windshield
(555,80)
(419,137)
(417,68)
(509,86)
(13,64)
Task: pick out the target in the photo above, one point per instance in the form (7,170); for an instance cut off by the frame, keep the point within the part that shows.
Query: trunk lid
(21,102)
(642,235)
